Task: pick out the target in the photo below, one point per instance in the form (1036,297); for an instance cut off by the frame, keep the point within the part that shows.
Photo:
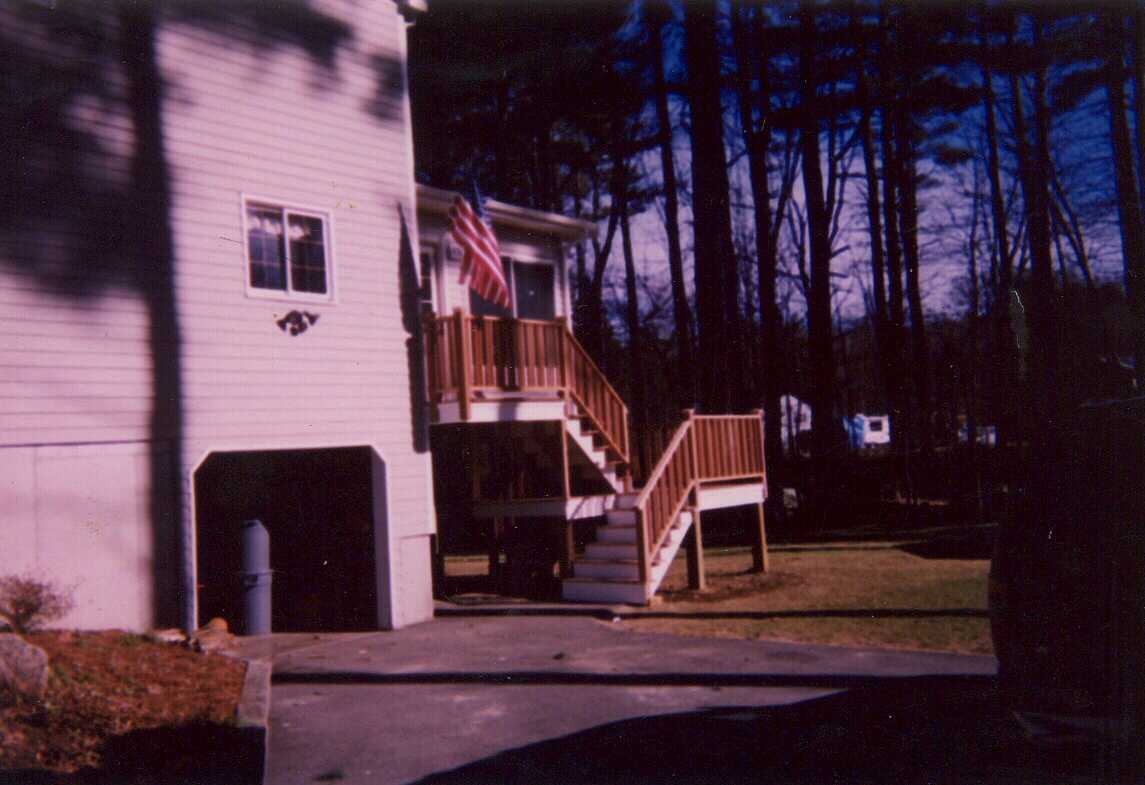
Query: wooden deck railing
(466,355)
(705,448)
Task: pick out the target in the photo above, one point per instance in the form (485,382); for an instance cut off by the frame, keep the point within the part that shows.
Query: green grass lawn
(847,593)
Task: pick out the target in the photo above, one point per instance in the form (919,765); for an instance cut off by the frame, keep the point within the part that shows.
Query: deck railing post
(642,545)
(694,544)
(690,418)
(762,461)
(429,348)
(565,332)
(463,362)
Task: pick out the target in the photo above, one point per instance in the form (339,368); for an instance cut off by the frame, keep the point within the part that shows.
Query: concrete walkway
(554,698)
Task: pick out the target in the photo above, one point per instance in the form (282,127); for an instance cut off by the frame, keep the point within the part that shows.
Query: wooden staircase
(583,434)
(483,369)
(644,529)
(609,570)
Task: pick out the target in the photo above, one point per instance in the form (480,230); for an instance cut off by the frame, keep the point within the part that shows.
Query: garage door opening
(318,506)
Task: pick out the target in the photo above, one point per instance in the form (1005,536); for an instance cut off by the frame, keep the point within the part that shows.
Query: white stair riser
(626,501)
(583,591)
(610,550)
(606,569)
(622,517)
(598,457)
(616,534)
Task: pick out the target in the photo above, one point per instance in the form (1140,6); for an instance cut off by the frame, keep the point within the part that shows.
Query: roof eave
(439,200)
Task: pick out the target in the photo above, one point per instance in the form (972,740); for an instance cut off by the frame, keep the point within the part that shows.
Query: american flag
(481,262)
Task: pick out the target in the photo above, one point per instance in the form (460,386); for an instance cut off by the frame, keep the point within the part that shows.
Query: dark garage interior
(317,507)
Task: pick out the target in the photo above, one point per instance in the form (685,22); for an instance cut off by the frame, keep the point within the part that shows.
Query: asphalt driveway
(571,698)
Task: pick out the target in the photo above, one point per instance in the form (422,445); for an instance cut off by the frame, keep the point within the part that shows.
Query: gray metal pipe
(256,578)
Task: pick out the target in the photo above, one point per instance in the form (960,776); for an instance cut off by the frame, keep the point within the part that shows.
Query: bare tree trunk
(874,221)
(1004,369)
(590,309)
(896,387)
(757,139)
(972,315)
(908,212)
(682,312)
(1128,202)
(1137,63)
(635,347)
(819,297)
(719,367)
(1034,165)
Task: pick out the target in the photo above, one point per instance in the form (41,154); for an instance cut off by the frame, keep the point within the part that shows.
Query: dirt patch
(105,685)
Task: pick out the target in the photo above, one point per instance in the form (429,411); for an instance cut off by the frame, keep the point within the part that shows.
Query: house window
(532,291)
(875,426)
(288,251)
(425,288)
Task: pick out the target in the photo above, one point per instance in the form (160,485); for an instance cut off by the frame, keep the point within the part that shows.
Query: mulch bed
(105,685)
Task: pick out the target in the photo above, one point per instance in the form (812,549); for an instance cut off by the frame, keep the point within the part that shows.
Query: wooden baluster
(477,341)
(706,448)
(430,349)
(724,452)
(532,351)
(523,370)
(730,448)
(690,444)
(461,330)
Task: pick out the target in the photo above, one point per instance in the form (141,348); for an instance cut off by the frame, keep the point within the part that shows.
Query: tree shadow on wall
(86,196)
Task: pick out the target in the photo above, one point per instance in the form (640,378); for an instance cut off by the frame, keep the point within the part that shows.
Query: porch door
(534,291)
(532,287)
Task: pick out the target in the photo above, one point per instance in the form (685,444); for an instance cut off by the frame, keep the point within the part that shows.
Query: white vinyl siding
(242,117)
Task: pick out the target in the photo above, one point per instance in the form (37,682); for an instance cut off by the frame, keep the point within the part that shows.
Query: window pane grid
(267,252)
(307,254)
(279,240)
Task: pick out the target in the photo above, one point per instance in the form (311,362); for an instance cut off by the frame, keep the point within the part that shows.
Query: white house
(225,298)
(202,312)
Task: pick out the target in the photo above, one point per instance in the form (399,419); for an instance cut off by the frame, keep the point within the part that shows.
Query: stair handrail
(650,534)
(613,427)
(745,460)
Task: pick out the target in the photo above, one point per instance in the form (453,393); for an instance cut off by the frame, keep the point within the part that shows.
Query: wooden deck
(492,370)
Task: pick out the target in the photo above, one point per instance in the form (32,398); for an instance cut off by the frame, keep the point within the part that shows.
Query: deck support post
(568,548)
(494,547)
(759,542)
(694,544)
(437,554)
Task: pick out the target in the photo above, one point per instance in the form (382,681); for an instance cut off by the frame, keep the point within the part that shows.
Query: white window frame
(435,270)
(288,208)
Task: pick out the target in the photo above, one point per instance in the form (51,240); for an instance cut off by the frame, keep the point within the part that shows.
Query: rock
(169,635)
(217,624)
(206,639)
(23,667)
